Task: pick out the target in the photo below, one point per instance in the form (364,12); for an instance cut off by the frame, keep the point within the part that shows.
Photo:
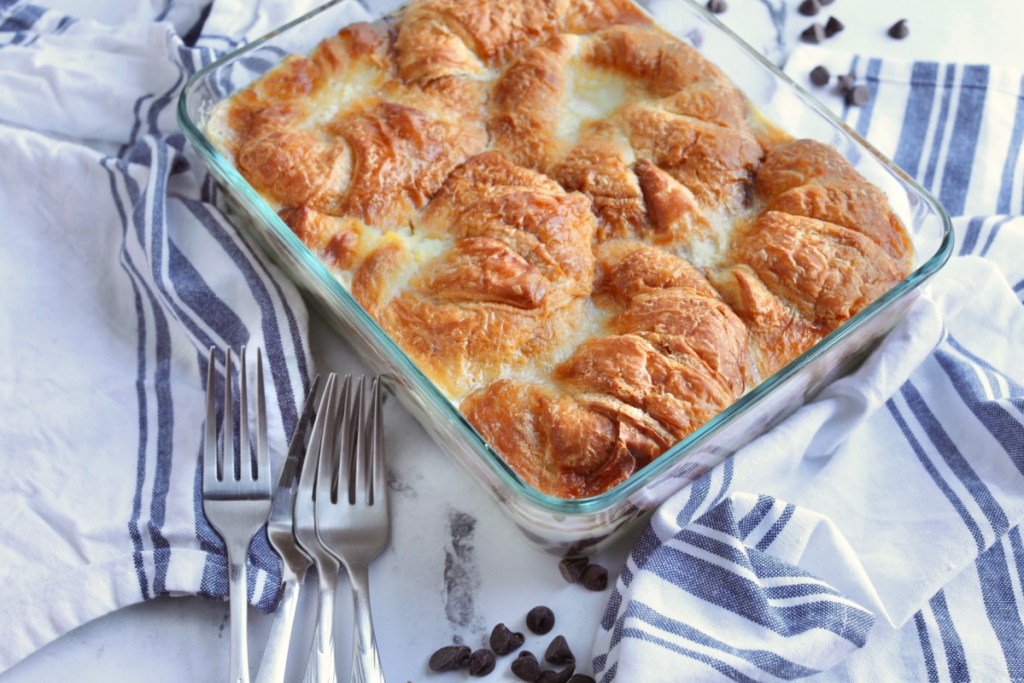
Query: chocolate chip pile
(503,641)
(854,94)
(539,620)
(580,570)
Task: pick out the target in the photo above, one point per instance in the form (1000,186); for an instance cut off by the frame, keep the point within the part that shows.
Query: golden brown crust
(627,269)
(662,63)
(799,162)
(777,333)
(825,271)
(715,163)
(855,205)
(513,283)
(557,445)
(442,37)
(337,240)
(400,157)
(587,16)
(526,102)
(599,167)
(519,193)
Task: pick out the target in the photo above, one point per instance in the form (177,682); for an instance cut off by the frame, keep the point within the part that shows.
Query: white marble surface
(455,567)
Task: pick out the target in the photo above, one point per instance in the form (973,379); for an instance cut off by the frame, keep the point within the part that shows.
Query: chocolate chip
(558,651)
(481,662)
(572,568)
(449,658)
(503,640)
(858,96)
(581,678)
(562,676)
(717,6)
(820,76)
(899,30)
(540,619)
(833,26)
(826,2)
(845,82)
(809,8)
(595,578)
(815,33)
(526,667)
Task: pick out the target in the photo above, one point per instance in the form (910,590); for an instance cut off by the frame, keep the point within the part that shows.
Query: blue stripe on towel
(955,460)
(927,653)
(1004,202)
(938,136)
(1005,428)
(938,480)
(757,514)
(970,236)
(951,643)
(997,576)
(956,176)
(864,113)
(766,660)
(917,117)
(777,528)
(992,234)
(138,286)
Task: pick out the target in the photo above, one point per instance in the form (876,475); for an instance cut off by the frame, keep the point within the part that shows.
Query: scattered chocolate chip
(481,662)
(550,676)
(526,667)
(809,8)
(558,651)
(820,76)
(572,568)
(899,30)
(540,619)
(581,678)
(815,33)
(717,6)
(833,26)
(503,640)
(858,96)
(845,82)
(449,658)
(595,578)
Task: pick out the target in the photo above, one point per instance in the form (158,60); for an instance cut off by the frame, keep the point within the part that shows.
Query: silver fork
(321,665)
(294,562)
(236,503)
(352,512)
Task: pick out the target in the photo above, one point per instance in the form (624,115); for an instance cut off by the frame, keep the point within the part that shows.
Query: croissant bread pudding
(573,222)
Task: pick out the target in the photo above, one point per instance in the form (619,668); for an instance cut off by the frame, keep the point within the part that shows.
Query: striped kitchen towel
(875,535)
(117,272)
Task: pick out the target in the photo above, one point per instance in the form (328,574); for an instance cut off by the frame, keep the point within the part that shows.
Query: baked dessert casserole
(574,224)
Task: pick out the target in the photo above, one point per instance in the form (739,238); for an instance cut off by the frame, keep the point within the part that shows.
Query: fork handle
(239,604)
(366,666)
(321,667)
(275,656)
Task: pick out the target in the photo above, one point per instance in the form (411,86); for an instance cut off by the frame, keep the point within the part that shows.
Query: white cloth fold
(116,275)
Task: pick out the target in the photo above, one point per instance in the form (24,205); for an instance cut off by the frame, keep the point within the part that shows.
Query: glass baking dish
(580,525)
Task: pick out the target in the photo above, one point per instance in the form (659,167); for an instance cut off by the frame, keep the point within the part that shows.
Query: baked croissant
(571,221)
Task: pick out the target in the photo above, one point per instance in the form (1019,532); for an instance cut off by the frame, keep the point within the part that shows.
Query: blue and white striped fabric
(877,533)
(116,274)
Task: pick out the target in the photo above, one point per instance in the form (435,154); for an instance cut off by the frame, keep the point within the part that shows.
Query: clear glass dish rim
(622,492)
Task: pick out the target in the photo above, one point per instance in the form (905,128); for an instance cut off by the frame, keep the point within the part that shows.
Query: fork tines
(236,500)
(218,457)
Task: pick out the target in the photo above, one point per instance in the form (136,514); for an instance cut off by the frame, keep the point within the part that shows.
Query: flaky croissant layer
(572,221)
